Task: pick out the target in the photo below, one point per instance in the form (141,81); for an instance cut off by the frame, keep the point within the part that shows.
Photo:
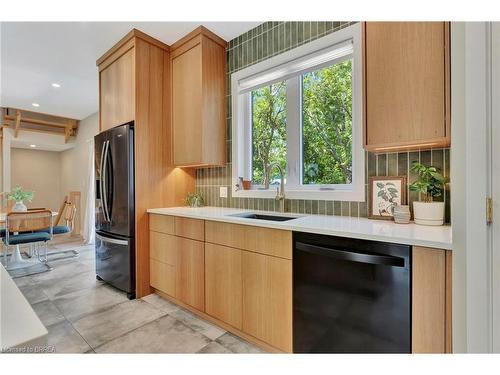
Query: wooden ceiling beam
(41,122)
(17,123)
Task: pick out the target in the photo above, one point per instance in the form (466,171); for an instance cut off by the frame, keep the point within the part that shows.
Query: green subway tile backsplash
(270,39)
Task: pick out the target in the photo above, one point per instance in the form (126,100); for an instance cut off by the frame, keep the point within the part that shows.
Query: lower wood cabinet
(177,268)
(223,284)
(190,272)
(267,299)
(247,289)
(431,300)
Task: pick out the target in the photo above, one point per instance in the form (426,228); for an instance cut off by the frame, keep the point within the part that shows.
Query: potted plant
(194,200)
(19,195)
(430,185)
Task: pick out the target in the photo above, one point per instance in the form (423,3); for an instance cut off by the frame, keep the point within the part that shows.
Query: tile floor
(84,315)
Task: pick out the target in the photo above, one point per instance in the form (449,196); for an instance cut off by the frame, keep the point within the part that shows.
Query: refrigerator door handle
(111,240)
(103,178)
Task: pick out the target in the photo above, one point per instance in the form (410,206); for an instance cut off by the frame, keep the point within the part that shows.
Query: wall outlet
(223,191)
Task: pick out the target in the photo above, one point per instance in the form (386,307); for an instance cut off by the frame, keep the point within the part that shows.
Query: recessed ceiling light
(56,85)
(35,104)
(32,146)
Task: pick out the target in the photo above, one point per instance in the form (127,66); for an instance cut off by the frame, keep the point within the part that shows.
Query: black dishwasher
(350,296)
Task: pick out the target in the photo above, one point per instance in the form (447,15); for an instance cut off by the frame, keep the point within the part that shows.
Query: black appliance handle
(352,256)
(104,193)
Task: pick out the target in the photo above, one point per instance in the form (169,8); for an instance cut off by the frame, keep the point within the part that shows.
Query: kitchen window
(303,111)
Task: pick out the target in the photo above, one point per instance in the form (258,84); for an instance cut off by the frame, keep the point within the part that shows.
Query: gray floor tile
(65,339)
(80,303)
(214,348)
(199,325)
(101,327)
(48,313)
(66,285)
(165,335)
(161,303)
(33,293)
(237,345)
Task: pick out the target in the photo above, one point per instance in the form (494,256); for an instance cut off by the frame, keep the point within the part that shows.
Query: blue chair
(23,228)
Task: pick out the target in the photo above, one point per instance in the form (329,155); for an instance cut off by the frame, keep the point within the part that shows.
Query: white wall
(40,172)
(74,161)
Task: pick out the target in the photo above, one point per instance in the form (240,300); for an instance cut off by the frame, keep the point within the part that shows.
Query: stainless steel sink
(256,216)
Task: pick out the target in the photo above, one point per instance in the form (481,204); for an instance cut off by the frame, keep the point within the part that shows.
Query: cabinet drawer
(274,242)
(163,247)
(161,223)
(162,277)
(190,228)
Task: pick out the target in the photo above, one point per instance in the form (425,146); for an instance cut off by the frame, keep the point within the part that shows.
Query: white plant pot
(19,207)
(428,213)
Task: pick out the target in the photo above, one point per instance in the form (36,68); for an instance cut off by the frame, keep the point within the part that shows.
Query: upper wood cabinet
(407,85)
(198,99)
(117,87)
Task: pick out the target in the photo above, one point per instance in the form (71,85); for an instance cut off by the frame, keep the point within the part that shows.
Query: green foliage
(327,125)
(194,200)
(430,182)
(389,194)
(20,195)
(268,130)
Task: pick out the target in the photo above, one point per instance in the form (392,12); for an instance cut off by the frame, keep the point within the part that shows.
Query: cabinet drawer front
(267,299)
(268,241)
(190,228)
(190,272)
(162,277)
(163,247)
(161,223)
(223,285)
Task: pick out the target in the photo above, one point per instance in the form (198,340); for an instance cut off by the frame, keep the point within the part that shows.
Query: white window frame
(273,70)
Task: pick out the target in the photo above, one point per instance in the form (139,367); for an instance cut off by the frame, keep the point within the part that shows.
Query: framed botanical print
(384,193)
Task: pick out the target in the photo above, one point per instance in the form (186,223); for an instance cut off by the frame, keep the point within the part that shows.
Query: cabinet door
(223,285)
(117,88)
(406,84)
(187,107)
(190,272)
(267,299)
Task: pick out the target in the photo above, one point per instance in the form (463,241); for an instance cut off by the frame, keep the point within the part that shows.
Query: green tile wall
(270,39)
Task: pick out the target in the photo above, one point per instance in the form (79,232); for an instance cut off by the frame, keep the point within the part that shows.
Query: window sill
(327,195)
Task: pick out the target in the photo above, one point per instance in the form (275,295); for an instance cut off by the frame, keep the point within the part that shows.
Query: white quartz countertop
(362,228)
(20,327)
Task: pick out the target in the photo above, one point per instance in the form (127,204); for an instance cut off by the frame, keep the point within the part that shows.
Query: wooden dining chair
(68,215)
(29,228)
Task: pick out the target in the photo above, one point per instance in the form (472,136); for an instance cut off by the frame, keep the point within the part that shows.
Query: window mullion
(293,131)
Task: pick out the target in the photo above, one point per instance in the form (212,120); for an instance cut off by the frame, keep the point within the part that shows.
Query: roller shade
(301,65)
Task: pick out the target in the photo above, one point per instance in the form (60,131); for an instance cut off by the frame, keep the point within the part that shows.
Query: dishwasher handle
(352,256)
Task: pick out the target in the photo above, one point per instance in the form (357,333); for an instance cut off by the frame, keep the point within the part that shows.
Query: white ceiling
(36,54)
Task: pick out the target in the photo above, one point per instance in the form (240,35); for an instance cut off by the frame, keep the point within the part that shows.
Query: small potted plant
(194,200)
(430,185)
(19,195)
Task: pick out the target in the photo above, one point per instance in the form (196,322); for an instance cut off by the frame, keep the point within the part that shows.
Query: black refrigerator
(115,214)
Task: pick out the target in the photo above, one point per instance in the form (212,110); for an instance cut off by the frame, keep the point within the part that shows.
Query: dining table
(16,260)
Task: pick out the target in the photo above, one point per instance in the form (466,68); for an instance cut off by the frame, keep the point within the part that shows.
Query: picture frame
(384,192)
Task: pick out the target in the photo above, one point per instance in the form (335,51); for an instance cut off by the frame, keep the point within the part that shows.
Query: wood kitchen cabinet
(190,272)
(134,85)
(431,300)
(223,283)
(198,99)
(406,85)
(117,87)
(267,299)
